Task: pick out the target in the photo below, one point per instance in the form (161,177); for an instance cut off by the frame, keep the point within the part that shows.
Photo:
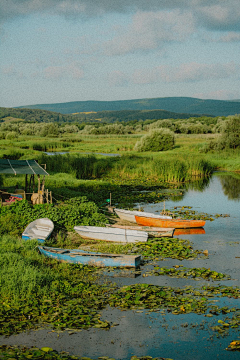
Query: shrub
(231,132)
(230,135)
(156,140)
(11,135)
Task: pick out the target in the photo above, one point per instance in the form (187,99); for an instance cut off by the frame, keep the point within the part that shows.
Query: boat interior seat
(40,232)
(40,227)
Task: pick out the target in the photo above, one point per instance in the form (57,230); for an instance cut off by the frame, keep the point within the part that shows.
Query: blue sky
(54,51)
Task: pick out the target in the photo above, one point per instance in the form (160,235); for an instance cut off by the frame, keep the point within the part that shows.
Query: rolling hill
(182,105)
(39,115)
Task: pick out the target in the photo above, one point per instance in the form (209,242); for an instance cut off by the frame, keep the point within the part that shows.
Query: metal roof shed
(18,167)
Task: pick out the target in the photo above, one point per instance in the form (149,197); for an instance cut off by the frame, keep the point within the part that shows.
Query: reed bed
(164,168)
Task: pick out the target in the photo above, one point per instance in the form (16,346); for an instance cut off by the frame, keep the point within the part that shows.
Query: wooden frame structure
(32,168)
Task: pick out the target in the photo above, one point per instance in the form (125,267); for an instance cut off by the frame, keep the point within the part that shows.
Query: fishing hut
(34,188)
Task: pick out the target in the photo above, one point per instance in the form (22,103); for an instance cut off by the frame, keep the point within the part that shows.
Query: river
(161,334)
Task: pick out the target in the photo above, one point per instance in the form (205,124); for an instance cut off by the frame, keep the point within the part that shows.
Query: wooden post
(39,194)
(26,183)
(50,197)
(47,196)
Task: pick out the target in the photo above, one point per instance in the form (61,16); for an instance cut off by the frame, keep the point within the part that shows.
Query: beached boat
(152,231)
(111,234)
(173,223)
(129,215)
(39,229)
(78,256)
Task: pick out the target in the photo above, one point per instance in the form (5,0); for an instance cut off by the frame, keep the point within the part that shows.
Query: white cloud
(230,37)
(189,72)
(222,16)
(151,30)
(12,71)
(218,95)
(118,78)
(212,14)
(58,72)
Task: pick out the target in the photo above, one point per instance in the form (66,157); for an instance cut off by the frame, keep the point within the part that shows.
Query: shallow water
(87,153)
(160,334)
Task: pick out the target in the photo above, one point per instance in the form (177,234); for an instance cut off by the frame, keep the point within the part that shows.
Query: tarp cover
(17,167)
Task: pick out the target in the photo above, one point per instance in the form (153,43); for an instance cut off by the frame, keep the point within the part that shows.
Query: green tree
(231,132)
(156,140)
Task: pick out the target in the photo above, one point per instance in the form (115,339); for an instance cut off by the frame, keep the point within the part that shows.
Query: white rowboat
(111,234)
(39,229)
(129,215)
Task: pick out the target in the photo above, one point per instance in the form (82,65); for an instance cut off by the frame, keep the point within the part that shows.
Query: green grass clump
(35,289)
(22,269)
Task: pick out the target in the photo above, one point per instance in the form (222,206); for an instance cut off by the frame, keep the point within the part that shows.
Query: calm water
(87,153)
(186,336)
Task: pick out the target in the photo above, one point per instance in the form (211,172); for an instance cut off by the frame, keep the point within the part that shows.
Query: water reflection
(198,185)
(79,152)
(231,185)
(193,231)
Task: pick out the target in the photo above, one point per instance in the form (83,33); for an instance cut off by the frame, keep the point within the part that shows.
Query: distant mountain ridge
(174,104)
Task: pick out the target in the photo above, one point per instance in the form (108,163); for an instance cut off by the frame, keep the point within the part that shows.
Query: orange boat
(190,231)
(167,223)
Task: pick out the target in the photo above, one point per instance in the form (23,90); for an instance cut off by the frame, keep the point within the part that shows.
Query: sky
(54,51)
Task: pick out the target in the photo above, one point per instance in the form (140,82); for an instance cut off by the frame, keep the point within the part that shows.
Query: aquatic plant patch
(8,352)
(182,272)
(75,309)
(174,300)
(222,291)
(186,212)
(24,353)
(153,249)
(152,297)
(234,346)
(166,247)
(225,325)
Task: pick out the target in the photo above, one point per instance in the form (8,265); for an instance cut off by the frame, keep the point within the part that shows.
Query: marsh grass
(22,269)
(164,168)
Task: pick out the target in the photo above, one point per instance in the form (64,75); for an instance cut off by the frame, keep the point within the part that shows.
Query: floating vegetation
(75,308)
(186,212)
(234,346)
(47,353)
(228,323)
(174,300)
(182,272)
(166,248)
(223,291)
(156,248)
(144,296)
(22,353)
